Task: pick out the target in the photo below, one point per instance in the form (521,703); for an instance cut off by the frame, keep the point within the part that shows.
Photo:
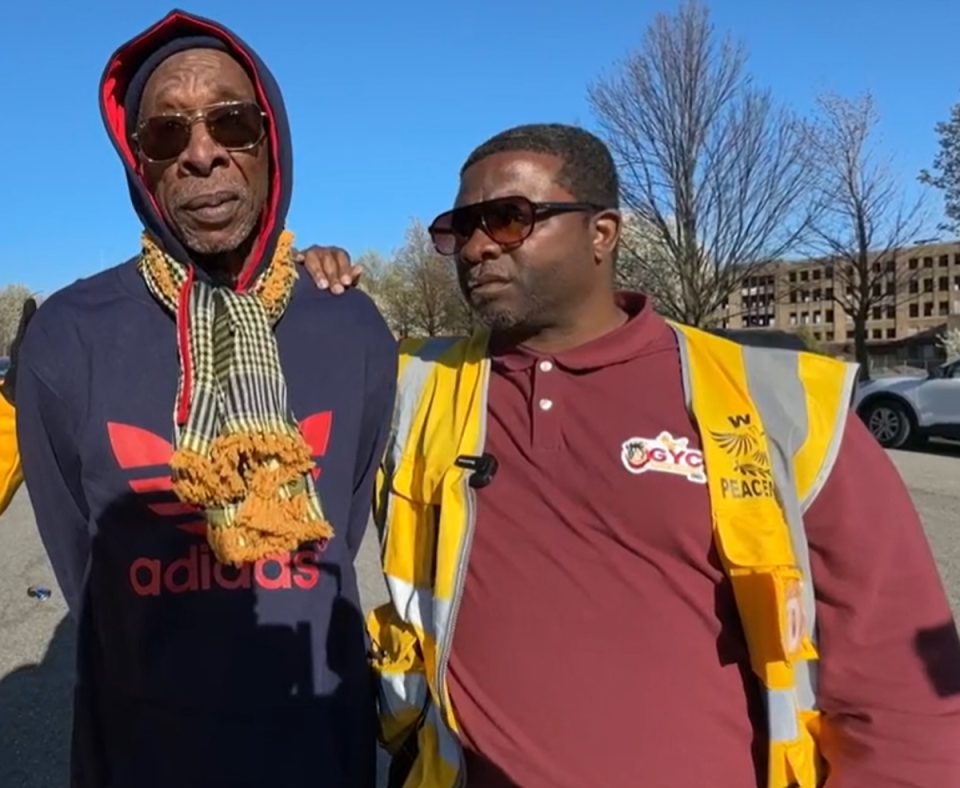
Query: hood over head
(121,88)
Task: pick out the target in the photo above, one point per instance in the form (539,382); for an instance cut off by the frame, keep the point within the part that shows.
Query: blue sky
(387,98)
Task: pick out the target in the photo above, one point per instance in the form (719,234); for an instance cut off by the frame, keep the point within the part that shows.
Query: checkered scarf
(238,454)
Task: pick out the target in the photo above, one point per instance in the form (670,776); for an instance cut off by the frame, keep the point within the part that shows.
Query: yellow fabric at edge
(11,475)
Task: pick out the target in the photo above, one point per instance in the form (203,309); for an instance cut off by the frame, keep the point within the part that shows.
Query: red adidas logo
(147,455)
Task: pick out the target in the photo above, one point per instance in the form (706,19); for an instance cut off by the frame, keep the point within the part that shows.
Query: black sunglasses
(508,221)
(233,125)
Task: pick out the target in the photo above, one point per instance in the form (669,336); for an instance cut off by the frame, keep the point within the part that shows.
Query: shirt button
(546,404)
(545,366)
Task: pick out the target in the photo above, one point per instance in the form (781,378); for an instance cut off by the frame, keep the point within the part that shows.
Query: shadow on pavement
(945,448)
(35,716)
(36,713)
(36,704)
(937,447)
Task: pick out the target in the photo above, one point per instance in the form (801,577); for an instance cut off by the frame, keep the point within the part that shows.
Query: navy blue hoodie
(192,674)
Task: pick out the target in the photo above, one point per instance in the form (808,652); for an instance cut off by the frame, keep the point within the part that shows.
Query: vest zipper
(462,560)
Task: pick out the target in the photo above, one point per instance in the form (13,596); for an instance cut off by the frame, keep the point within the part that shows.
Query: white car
(906,410)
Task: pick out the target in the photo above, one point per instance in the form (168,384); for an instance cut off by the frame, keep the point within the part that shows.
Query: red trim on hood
(114,91)
(183,347)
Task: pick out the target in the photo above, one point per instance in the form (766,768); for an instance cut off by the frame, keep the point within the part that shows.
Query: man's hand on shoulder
(9,385)
(329,267)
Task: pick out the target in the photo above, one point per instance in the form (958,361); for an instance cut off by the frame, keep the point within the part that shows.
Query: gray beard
(240,234)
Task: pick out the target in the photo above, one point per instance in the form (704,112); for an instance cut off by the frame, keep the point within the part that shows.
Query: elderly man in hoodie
(221,642)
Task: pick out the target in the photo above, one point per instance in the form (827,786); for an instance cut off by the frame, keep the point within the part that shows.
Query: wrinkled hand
(9,385)
(329,267)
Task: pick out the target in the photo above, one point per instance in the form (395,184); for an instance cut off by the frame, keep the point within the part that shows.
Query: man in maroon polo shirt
(597,642)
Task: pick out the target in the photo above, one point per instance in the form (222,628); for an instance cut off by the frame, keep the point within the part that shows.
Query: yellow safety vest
(770,422)
(11,475)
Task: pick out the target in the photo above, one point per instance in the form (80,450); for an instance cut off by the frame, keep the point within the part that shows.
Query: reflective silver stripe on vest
(412,379)
(410,385)
(773,380)
(415,605)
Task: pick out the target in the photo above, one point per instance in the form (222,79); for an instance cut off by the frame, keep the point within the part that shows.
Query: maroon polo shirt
(598,644)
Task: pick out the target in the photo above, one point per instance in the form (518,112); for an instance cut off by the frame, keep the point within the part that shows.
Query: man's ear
(138,162)
(606,234)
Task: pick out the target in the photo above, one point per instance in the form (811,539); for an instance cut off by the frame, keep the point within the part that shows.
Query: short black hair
(588,171)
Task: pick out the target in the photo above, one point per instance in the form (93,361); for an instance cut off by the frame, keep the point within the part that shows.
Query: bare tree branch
(721,177)
(865,222)
(418,291)
(375,268)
